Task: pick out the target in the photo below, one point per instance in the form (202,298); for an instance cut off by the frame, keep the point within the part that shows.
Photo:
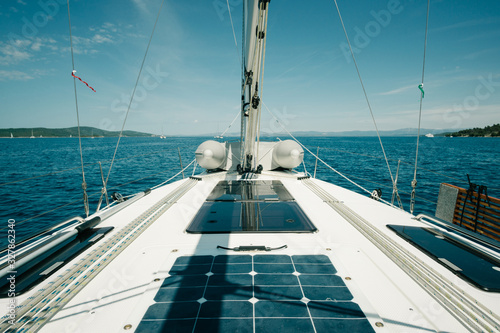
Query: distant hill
(399,132)
(487,131)
(85,131)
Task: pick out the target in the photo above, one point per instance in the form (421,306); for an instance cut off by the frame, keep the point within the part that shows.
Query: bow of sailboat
(250,244)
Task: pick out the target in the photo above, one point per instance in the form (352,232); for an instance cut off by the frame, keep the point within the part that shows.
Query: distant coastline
(88,132)
(488,131)
(85,132)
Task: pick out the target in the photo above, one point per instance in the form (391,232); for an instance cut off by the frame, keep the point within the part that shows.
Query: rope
(243,85)
(252,129)
(469,311)
(84,184)
(366,97)
(38,309)
(133,92)
(261,83)
(421,87)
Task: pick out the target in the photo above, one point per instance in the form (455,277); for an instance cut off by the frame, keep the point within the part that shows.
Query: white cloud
(11,53)
(85,45)
(99,39)
(107,33)
(141,5)
(15,76)
(477,54)
(468,24)
(20,50)
(36,45)
(398,90)
(107,26)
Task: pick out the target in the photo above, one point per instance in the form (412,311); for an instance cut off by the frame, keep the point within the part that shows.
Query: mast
(254,41)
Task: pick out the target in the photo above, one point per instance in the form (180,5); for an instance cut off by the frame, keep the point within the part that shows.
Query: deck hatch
(468,263)
(250,206)
(244,293)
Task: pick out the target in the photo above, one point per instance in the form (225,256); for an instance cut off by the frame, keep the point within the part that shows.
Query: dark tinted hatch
(470,264)
(250,206)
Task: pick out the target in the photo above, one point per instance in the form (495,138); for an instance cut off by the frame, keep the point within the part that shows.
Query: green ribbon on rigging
(421,87)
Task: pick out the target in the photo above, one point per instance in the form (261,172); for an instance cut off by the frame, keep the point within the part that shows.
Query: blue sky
(191,79)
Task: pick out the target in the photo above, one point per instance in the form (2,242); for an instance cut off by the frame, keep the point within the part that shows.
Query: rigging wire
(234,34)
(87,165)
(114,187)
(84,183)
(366,98)
(227,129)
(153,175)
(177,174)
(421,87)
(402,162)
(133,93)
(319,159)
(51,210)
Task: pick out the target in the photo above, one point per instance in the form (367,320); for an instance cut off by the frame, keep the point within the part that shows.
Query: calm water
(153,160)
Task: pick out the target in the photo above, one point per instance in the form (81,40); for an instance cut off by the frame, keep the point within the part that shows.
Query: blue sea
(41,179)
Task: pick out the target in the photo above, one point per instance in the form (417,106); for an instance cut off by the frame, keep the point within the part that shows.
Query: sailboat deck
(142,287)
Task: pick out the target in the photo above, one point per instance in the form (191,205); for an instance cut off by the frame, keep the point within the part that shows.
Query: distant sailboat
(11,136)
(429,135)
(32,136)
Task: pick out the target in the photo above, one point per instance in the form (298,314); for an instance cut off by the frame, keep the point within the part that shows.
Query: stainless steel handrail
(75,218)
(483,240)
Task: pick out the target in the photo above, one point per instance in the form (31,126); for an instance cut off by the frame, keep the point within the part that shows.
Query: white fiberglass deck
(134,290)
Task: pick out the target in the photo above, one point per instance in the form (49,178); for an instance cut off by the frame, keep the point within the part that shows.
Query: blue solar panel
(261,293)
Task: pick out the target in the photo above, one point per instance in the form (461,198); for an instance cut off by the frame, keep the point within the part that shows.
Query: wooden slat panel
(469,217)
(487,221)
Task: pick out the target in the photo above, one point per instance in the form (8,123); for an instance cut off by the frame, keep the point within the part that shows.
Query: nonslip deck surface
(260,293)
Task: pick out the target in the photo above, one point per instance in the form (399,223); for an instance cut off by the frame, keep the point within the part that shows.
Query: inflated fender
(211,155)
(287,154)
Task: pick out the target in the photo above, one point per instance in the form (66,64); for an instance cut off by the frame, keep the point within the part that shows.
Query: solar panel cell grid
(260,293)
